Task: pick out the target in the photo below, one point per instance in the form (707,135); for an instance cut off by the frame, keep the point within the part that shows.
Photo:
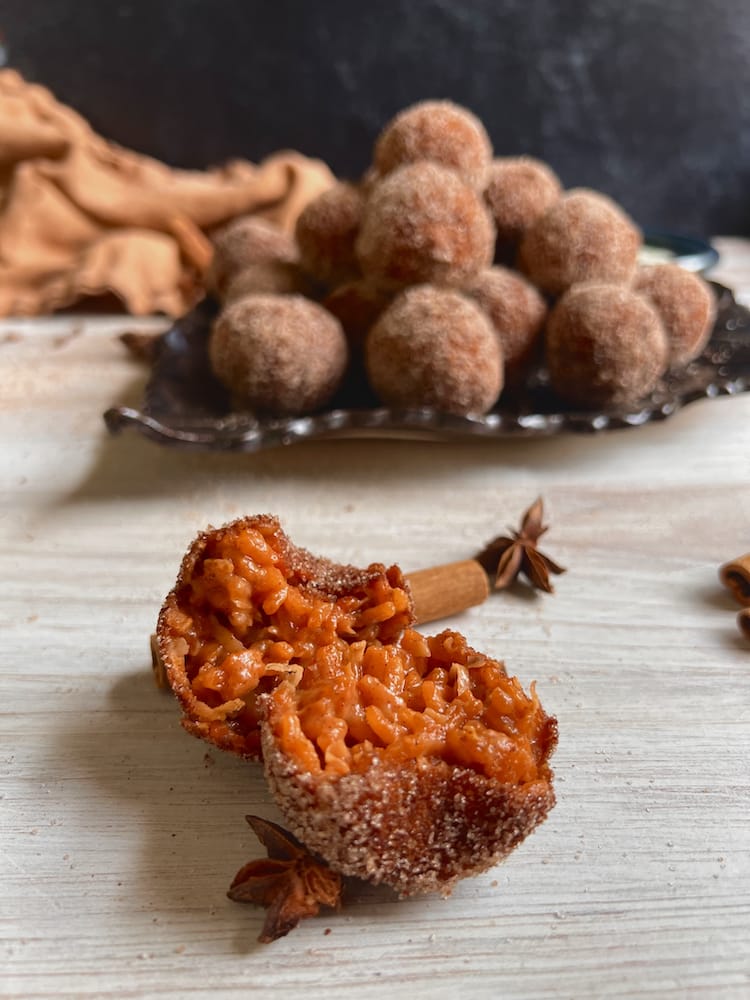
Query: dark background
(647,100)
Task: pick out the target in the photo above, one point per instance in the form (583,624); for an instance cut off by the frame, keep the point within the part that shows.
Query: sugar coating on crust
(417,828)
(519,190)
(686,304)
(422,223)
(279,354)
(401,758)
(434,347)
(517,312)
(326,232)
(300,565)
(605,345)
(583,237)
(243,242)
(238,733)
(273,277)
(441,132)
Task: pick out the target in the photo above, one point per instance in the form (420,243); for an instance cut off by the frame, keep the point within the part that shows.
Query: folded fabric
(81,216)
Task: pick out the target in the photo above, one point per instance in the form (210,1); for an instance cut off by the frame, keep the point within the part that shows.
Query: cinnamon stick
(143,346)
(440,591)
(743,620)
(735,576)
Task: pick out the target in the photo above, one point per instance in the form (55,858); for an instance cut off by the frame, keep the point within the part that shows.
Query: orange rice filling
(349,683)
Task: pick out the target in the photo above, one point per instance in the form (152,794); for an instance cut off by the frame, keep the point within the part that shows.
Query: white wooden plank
(120,833)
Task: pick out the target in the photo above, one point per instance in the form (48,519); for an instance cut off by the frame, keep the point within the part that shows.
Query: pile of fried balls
(398,276)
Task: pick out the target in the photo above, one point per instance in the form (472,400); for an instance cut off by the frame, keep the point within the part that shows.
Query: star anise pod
(143,346)
(290,883)
(506,556)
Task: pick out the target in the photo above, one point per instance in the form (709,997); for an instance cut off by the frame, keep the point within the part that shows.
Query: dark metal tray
(185,406)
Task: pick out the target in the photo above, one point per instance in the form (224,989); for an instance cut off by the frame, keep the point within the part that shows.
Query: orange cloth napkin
(80,216)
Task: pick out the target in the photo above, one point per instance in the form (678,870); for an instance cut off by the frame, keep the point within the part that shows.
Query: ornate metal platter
(185,406)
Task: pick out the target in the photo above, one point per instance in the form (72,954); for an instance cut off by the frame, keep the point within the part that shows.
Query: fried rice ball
(326,232)
(434,347)
(605,346)
(441,132)
(357,305)
(519,191)
(687,307)
(279,354)
(517,312)
(243,242)
(585,236)
(423,224)
(273,277)
(399,758)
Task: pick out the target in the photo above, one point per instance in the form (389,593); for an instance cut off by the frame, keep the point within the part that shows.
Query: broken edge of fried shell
(309,571)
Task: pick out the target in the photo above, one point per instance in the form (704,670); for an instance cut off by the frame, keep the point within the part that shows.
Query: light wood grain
(120,833)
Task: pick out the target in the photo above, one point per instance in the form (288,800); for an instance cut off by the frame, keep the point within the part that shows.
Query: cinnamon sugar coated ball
(439,131)
(687,307)
(280,354)
(273,277)
(423,224)
(517,312)
(326,232)
(357,305)
(435,348)
(605,346)
(519,191)
(245,241)
(368,180)
(585,236)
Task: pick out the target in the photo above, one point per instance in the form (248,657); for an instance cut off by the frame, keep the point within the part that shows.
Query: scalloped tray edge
(171,416)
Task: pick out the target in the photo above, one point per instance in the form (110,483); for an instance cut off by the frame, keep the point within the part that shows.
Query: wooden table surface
(120,833)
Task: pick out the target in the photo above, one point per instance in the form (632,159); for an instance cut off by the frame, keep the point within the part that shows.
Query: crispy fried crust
(418,827)
(416,823)
(299,565)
